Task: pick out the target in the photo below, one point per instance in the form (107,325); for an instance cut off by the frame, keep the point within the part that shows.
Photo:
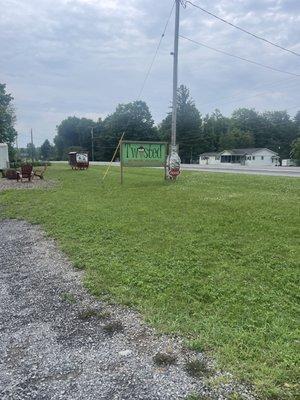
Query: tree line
(196,133)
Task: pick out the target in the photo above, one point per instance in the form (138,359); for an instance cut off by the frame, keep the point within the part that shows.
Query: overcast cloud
(83,57)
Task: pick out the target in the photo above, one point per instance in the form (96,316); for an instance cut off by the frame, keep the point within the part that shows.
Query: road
(241,169)
(293,172)
(233,169)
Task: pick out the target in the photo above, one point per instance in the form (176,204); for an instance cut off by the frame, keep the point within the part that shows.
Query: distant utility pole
(92,135)
(31,139)
(175,76)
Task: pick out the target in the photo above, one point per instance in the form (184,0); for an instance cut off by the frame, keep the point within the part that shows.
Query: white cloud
(62,57)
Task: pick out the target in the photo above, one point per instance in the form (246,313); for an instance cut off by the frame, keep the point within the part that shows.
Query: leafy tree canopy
(47,150)
(295,153)
(188,125)
(7,118)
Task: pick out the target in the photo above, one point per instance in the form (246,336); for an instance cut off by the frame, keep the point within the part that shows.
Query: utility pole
(92,134)
(175,75)
(174,160)
(31,139)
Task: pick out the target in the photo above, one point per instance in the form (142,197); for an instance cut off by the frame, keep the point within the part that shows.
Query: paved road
(59,343)
(234,169)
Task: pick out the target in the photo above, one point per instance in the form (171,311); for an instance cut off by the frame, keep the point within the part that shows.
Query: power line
(156,52)
(146,78)
(237,94)
(243,30)
(237,99)
(240,58)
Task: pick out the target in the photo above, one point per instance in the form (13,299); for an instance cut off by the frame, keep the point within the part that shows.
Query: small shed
(4,159)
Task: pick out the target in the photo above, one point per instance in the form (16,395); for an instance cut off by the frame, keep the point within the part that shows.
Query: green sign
(143,154)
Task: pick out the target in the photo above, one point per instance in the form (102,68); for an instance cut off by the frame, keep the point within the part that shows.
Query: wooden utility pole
(173,161)
(31,139)
(175,76)
(92,134)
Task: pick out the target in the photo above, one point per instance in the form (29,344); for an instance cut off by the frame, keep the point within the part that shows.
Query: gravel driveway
(58,342)
(36,183)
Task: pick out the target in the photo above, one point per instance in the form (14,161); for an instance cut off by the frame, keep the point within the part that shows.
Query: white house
(250,157)
(209,158)
(4,160)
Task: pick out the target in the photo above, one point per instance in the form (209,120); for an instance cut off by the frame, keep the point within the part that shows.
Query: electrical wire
(147,73)
(156,52)
(237,99)
(240,58)
(243,30)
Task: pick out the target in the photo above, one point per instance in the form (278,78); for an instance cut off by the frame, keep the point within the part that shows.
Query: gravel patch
(36,183)
(59,342)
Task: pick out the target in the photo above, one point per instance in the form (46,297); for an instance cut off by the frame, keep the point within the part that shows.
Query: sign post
(143,154)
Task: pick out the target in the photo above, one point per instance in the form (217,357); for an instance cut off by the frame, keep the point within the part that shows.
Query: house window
(253,157)
(262,157)
(249,158)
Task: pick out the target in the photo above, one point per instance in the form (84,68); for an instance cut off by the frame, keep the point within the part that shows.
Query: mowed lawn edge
(213,257)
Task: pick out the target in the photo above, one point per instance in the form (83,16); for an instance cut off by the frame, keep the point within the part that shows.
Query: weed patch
(197,369)
(69,297)
(113,327)
(164,359)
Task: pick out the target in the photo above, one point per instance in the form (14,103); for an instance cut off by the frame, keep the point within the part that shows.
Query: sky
(61,58)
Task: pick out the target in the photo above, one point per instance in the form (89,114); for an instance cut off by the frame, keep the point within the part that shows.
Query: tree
(7,118)
(297,121)
(71,132)
(295,153)
(250,121)
(133,118)
(31,151)
(188,126)
(236,139)
(281,132)
(46,150)
(215,127)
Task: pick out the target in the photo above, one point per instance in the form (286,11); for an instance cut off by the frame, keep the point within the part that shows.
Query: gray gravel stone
(36,183)
(54,347)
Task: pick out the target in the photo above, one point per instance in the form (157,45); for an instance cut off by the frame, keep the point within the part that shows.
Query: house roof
(251,150)
(211,154)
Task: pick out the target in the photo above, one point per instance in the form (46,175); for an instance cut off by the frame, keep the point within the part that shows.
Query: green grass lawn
(213,257)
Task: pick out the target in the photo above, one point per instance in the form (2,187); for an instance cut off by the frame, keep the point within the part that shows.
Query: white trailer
(4,160)
(288,163)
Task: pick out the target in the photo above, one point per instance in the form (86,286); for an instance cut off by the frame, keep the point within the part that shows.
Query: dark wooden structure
(79,160)
(11,174)
(40,171)
(26,172)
